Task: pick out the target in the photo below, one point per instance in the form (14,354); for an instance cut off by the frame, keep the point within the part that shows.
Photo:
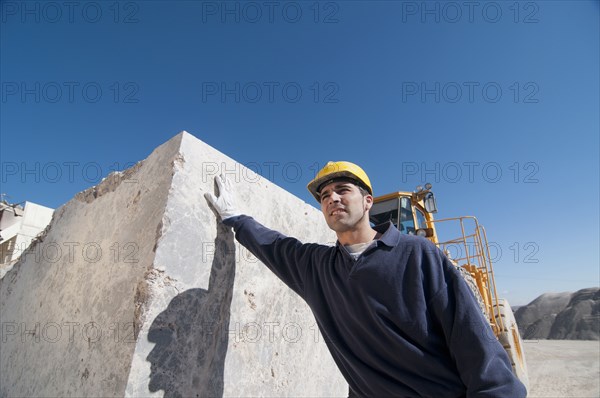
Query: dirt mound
(562,316)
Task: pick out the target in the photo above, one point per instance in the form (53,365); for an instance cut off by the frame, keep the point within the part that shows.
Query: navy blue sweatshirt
(398,321)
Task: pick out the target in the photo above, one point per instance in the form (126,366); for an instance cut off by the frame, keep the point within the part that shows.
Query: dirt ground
(563,368)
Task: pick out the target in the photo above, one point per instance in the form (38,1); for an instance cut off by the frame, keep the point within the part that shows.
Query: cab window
(383,212)
(421,219)
(398,211)
(407,224)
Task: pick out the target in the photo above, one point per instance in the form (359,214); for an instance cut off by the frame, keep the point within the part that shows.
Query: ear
(368,202)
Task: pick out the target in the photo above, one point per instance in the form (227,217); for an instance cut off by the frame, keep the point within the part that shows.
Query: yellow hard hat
(335,170)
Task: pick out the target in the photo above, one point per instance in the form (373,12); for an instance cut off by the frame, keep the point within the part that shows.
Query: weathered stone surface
(150,295)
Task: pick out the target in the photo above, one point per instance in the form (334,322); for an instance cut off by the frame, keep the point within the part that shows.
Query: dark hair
(363,191)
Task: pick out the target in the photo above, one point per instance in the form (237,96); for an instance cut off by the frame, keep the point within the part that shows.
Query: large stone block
(136,289)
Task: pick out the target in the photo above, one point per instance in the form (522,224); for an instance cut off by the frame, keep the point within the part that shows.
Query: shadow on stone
(191,334)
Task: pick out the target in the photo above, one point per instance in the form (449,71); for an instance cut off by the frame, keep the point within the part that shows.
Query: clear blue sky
(495,103)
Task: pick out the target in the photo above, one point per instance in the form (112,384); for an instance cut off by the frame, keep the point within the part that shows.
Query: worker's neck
(361,234)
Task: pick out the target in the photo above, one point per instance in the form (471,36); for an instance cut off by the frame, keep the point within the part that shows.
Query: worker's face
(344,206)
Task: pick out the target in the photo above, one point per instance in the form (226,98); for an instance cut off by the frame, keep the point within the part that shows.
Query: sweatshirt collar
(390,236)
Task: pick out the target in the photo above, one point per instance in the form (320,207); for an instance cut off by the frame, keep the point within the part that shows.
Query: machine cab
(410,212)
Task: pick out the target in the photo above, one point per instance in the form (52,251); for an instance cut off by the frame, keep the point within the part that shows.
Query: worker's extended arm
(287,257)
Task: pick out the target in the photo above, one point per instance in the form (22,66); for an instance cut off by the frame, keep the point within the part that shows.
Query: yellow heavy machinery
(412,213)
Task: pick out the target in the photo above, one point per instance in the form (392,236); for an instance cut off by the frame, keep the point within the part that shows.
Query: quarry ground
(563,368)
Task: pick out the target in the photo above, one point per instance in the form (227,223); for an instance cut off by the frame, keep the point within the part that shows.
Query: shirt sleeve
(287,257)
(481,361)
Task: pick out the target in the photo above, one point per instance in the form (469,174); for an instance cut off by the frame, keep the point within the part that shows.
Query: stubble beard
(343,224)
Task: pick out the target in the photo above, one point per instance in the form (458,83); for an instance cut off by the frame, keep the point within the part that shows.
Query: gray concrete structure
(136,290)
(19,225)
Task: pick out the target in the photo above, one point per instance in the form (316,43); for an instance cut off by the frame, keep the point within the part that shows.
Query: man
(395,314)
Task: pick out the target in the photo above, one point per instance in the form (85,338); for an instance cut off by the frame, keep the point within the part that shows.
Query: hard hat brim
(316,185)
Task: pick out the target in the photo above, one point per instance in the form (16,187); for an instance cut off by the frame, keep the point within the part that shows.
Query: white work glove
(224,203)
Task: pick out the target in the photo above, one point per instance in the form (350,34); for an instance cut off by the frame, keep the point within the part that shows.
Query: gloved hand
(224,203)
